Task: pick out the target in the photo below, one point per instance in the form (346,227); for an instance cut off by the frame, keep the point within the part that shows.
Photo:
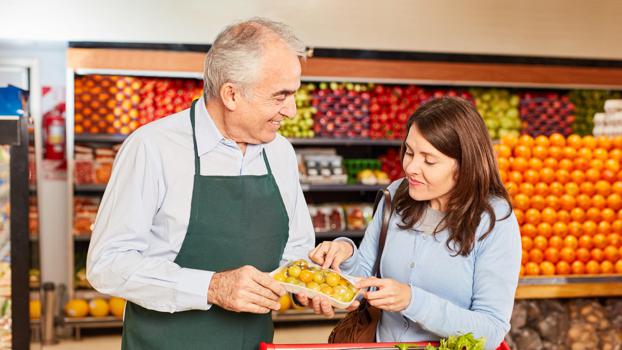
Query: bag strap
(387,208)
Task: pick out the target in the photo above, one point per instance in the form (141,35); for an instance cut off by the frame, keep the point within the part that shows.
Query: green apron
(234,221)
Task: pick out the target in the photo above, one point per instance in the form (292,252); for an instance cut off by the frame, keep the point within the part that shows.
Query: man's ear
(229,96)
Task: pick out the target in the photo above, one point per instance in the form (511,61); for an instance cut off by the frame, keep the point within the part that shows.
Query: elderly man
(203,203)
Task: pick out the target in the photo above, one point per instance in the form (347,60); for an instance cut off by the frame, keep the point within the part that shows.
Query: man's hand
(390,296)
(245,289)
(321,306)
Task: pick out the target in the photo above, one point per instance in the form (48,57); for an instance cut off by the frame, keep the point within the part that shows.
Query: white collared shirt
(143,217)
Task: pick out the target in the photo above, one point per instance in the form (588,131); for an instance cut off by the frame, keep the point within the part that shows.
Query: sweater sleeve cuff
(350,263)
(418,308)
(191,289)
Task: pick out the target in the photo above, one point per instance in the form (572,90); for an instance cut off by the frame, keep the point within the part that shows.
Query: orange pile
(567,197)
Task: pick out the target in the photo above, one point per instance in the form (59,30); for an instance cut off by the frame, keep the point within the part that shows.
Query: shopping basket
(344,346)
(357,346)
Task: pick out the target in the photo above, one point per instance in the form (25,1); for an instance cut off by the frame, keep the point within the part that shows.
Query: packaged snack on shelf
(33,217)
(321,166)
(85,209)
(84,167)
(358,216)
(302,276)
(335,216)
(319,219)
(104,158)
(32,169)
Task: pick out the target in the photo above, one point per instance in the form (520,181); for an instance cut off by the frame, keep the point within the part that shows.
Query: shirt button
(412,265)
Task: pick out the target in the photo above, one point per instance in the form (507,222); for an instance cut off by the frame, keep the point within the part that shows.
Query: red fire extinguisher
(54,133)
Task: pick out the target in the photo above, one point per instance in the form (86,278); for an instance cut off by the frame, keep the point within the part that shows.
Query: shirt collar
(208,135)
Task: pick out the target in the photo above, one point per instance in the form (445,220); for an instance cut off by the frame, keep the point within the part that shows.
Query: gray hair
(235,54)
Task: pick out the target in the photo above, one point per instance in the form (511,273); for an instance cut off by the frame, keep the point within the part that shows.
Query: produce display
(390,108)
(342,110)
(365,171)
(160,97)
(546,113)
(587,103)
(391,164)
(301,276)
(96,307)
(301,126)
(567,197)
(499,108)
(110,104)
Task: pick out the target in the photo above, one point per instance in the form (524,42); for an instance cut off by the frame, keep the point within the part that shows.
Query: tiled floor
(299,332)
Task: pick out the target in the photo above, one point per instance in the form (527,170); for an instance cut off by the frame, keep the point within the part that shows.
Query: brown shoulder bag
(359,326)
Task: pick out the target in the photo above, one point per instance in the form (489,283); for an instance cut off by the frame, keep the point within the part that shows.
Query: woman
(452,255)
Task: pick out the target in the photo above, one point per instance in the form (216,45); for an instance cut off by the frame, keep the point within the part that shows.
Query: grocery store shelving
(149,62)
(92,188)
(104,138)
(82,238)
(583,286)
(293,315)
(324,141)
(177,64)
(86,237)
(543,287)
(341,188)
(99,188)
(304,315)
(79,323)
(316,141)
(335,234)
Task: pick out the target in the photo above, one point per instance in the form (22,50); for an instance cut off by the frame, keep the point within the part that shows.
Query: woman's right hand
(330,254)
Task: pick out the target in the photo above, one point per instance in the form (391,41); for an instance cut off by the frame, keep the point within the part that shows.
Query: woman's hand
(391,295)
(330,254)
(321,306)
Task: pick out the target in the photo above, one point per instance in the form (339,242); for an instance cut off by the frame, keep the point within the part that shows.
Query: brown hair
(453,126)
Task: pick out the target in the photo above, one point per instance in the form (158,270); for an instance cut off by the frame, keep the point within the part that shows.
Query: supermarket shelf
(94,322)
(335,234)
(305,187)
(304,315)
(145,62)
(100,138)
(341,188)
(114,322)
(586,286)
(316,141)
(93,188)
(82,237)
(88,294)
(323,235)
(324,141)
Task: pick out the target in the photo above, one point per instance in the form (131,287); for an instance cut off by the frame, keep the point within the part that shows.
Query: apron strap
(265,160)
(197,161)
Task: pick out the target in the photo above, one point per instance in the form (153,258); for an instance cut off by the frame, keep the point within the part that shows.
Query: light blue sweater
(450,294)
